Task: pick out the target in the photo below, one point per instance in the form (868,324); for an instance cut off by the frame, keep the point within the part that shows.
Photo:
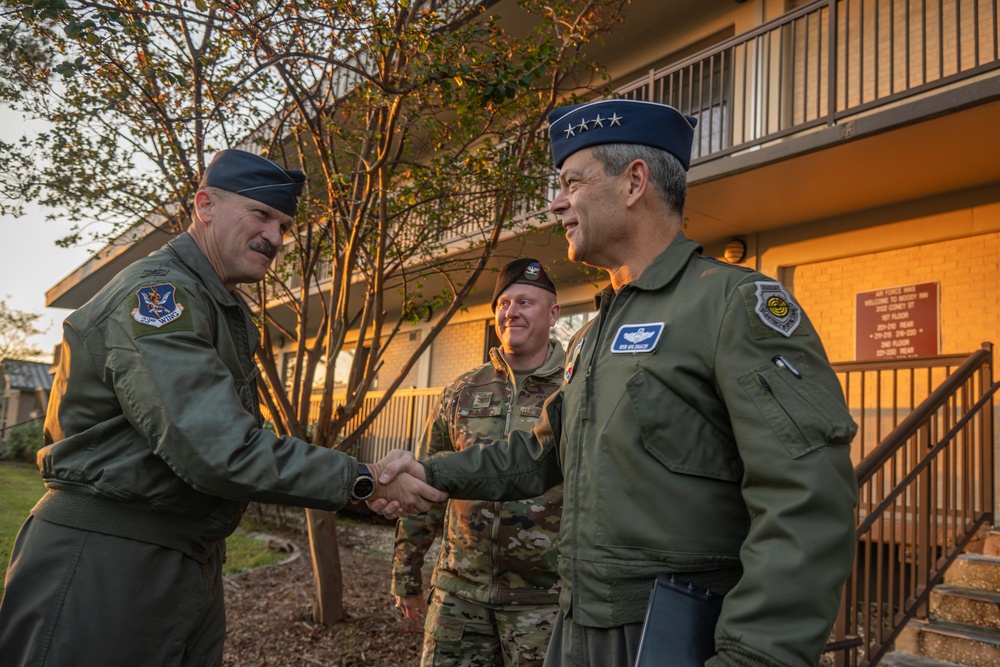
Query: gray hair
(666,172)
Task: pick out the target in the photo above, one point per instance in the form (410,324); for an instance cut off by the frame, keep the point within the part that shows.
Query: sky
(30,262)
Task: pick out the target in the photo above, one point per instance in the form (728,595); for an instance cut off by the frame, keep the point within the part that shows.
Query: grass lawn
(21,487)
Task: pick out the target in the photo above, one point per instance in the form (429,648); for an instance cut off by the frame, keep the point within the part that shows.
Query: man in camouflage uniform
(495,589)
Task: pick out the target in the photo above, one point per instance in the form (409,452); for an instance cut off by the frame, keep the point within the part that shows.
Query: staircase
(963,627)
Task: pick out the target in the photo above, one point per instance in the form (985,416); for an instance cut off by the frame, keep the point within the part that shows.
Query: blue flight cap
(616,121)
(255,177)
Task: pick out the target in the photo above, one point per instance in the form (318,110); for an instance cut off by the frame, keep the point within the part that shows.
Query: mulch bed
(269,610)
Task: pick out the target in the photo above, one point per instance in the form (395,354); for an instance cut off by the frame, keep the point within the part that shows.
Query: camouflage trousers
(459,633)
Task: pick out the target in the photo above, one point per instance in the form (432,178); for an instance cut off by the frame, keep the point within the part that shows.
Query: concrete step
(951,642)
(900,659)
(975,571)
(961,604)
(986,542)
(992,545)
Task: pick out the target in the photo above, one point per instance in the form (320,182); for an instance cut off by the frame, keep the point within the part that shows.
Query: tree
(417,120)
(17,328)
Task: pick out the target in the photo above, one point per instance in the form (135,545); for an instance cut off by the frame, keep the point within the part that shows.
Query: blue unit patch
(157,305)
(637,338)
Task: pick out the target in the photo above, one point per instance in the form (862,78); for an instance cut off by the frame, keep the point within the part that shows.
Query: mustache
(264,247)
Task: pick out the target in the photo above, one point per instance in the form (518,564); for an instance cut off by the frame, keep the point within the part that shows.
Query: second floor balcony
(834,108)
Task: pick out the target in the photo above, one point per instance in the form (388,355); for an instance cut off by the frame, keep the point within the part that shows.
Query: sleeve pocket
(800,411)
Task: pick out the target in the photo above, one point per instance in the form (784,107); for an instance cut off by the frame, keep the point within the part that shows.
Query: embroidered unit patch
(157,306)
(776,309)
(637,338)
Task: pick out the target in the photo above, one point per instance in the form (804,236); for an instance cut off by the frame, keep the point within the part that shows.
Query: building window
(343,369)
(569,324)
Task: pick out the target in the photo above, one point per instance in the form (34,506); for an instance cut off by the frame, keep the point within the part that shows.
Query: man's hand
(413,606)
(401,486)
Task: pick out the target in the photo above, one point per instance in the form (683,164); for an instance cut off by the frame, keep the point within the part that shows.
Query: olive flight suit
(156,445)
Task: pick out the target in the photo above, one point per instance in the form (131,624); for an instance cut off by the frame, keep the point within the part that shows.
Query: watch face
(363,487)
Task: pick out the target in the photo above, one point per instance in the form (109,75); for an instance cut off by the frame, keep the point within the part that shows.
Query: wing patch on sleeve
(159,309)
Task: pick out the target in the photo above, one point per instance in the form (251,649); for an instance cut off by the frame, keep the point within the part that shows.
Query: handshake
(401,486)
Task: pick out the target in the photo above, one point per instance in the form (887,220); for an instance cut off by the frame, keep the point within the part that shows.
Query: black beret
(620,122)
(525,271)
(255,177)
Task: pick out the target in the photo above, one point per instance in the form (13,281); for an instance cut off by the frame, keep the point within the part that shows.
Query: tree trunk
(328,605)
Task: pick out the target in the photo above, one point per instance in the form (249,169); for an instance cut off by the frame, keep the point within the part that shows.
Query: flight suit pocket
(801,412)
(677,435)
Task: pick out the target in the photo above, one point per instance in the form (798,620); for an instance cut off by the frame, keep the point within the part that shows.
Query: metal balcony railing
(812,67)
(816,65)
(821,63)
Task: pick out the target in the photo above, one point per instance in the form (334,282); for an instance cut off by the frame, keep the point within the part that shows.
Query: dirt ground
(269,613)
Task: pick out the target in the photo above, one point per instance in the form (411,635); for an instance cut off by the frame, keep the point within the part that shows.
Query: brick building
(844,147)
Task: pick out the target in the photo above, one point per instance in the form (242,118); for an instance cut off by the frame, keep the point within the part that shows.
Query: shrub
(24,441)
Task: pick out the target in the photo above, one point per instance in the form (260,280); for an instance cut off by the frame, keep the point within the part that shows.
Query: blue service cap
(255,177)
(617,121)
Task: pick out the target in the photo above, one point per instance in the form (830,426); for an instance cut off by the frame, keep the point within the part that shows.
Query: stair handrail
(912,423)
(925,461)
(854,631)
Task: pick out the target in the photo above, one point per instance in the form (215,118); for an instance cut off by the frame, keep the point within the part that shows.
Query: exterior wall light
(736,250)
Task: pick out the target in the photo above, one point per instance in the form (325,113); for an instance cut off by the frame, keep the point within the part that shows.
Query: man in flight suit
(495,587)
(155,444)
(700,430)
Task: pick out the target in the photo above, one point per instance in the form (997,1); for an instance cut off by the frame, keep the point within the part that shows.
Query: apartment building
(847,148)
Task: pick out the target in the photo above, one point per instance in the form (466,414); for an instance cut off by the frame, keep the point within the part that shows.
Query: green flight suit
(155,431)
(684,447)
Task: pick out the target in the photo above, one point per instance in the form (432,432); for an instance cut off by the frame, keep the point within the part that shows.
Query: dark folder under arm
(679,630)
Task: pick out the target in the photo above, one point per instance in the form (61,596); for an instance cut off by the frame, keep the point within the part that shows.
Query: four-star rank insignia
(776,309)
(157,305)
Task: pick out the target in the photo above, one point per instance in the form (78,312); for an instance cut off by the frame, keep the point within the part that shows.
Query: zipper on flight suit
(603,312)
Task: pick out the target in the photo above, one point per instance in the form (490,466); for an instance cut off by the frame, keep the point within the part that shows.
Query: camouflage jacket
(492,552)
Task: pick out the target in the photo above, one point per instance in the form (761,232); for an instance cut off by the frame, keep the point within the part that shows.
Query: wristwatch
(364,485)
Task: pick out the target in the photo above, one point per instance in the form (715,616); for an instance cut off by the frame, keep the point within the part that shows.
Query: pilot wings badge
(157,305)
(637,338)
